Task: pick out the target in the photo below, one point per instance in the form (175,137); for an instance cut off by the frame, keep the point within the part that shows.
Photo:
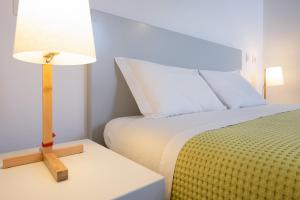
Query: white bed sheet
(156,142)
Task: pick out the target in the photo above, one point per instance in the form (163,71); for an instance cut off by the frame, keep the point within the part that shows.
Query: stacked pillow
(162,91)
(232,89)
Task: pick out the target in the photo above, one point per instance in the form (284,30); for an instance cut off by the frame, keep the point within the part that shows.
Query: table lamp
(273,77)
(52,32)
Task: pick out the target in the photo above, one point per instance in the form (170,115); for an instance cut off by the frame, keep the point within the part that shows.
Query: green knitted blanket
(258,159)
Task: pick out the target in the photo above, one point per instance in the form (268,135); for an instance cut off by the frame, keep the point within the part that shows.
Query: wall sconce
(273,77)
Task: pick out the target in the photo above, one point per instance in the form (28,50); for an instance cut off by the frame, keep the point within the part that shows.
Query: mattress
(156,142)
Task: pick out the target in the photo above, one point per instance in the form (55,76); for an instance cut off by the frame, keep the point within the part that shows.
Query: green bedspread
(258,159)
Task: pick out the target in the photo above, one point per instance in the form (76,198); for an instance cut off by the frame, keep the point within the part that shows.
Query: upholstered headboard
(108,94)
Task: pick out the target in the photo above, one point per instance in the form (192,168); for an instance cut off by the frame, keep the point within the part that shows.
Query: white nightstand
(96,174)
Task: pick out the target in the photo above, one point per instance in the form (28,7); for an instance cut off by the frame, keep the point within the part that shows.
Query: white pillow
(165,91)
(233,90)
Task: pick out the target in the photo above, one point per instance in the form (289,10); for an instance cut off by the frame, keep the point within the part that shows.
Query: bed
(156,143)
(213,151)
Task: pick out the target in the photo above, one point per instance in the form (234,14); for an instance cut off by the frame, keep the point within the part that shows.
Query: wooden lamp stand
(47,153)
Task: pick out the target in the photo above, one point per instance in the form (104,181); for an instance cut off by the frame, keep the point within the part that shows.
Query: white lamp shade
(54,26)
(274,76)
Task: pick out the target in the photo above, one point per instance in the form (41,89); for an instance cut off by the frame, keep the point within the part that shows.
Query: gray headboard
(108,94)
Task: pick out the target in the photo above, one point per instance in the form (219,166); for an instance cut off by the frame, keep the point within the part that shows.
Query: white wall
(235,23)
(282,47)
(20,95)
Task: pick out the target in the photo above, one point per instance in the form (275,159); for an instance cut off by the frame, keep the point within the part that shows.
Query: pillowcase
(232,89)
(162,91)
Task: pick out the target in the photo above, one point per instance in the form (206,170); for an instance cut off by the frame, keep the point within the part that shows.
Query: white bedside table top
(98,173)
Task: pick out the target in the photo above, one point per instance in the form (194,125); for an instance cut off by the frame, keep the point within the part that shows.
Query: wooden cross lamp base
(47,154)
(50,157)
